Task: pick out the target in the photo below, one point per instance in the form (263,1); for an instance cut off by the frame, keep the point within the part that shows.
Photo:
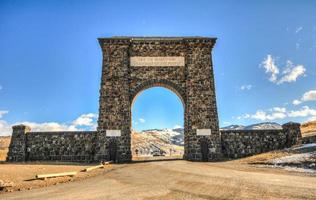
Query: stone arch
(180,64)
(158,83)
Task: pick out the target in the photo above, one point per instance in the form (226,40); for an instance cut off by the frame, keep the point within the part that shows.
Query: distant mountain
(179,130)
(233,127)
(259,126)
(264,125)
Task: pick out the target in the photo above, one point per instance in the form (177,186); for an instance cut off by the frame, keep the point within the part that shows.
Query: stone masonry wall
(69,146)
(79,146)
(241,143)
(61,146)
(309,139)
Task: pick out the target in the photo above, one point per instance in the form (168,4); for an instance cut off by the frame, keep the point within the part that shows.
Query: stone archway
(183,65)
(175,93)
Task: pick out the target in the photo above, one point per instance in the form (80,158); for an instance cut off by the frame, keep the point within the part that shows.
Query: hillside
(157,142)
(4,145)
(308,127)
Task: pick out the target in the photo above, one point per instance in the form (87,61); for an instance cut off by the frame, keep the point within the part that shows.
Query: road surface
(181,180)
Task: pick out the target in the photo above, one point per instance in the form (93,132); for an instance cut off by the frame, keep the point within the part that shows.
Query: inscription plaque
(113,133)
(203,131)
(166,61)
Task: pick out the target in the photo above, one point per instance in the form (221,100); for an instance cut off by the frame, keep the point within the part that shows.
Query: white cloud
(305,111)
(296,102)
(141,120)
(280,113)
(307,96)
(312,118)
(289,74)
(279,109)
(85,120)
(270,67)
(5,128)
(263,116)
(246,87)
(298,30)
(49,126)
(3,112)
(177,126)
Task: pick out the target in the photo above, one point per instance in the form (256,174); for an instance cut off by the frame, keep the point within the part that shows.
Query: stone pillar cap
(21,126)
(291,124)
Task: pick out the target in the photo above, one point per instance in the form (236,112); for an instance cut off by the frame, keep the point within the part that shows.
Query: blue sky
(157,107)
(50,60)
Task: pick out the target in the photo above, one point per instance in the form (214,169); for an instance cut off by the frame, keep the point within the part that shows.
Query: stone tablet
(138,61)
(203,131)
(113,133)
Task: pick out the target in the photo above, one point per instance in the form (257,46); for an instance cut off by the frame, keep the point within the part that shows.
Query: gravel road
(181,180)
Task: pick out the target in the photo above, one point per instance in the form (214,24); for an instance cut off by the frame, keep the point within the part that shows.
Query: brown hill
(4,145)
(308,127)
(150,143)
(4,142)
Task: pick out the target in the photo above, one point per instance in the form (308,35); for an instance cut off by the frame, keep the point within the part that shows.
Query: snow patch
(305,146)
(296,158)
(288,168)
(298,169)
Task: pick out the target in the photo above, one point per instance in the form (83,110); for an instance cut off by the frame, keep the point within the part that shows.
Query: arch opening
(157,113)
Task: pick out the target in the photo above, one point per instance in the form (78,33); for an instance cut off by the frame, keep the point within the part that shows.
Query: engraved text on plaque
(138,61)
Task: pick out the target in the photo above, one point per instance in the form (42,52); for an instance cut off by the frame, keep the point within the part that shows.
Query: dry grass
(308,127)
(4,146)
(3,154)
(265,157)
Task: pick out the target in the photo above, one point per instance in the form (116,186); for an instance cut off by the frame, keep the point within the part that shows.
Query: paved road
(181,180)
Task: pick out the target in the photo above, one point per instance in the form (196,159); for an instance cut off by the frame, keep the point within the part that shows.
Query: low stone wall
(242,143)
(80,146)
(63,146)
(73,146)
(309,139)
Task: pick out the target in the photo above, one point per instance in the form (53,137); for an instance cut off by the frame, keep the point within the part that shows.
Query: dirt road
(182,180)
